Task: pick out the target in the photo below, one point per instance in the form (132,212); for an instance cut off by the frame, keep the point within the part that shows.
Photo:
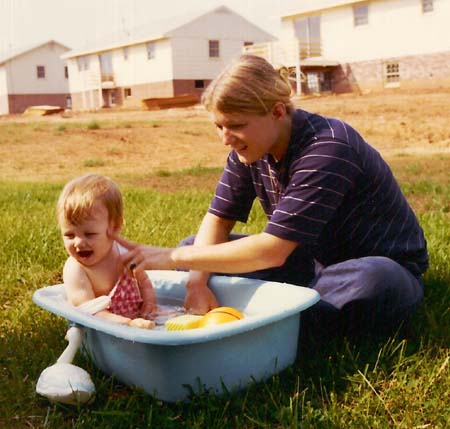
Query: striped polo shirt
(332,193)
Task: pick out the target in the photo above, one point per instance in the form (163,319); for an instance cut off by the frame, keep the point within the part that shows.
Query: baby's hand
(142,323)
(148,310)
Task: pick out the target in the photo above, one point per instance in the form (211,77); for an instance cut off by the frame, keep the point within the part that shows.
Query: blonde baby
(90,213)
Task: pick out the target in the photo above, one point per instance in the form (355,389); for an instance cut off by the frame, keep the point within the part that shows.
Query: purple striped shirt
(332,192)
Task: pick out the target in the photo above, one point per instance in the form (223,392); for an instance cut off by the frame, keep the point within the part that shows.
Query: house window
(106,66)
(213,49)
(126,51)
(199,84)
(308,32)
(40,72)
(392,73)
(427,6)
(83,63)
(66,72)
(127,92)
(68,102)
(150,51)
(361,14)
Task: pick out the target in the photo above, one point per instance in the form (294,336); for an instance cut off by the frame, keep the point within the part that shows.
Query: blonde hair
(79,195)
(249,85)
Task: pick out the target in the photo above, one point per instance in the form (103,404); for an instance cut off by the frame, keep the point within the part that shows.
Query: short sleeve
(235,192)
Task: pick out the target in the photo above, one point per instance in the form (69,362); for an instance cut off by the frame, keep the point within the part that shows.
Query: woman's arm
(199,298)
(246,254)
(252,253)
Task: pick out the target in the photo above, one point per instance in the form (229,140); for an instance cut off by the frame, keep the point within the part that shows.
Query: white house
(166,59)
(33,76)
(344,45)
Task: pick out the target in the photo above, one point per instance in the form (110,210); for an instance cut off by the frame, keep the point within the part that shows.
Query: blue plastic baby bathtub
(172,364)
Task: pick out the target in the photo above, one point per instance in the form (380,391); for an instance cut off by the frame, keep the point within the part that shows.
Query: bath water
(167,309)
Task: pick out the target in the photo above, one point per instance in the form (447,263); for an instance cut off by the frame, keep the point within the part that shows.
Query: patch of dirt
(206,182)
(146,148)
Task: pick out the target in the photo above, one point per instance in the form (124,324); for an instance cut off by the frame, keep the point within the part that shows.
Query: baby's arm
(77,285)
(142,323)
(79,290)
(147,294)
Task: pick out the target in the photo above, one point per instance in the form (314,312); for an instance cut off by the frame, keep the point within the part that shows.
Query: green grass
(196,171)
(93,125)
(94,162)
(402,381)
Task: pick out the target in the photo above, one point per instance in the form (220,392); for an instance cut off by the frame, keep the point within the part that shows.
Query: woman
(337,220)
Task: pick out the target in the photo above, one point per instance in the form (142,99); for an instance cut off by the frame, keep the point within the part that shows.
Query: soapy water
(165,311)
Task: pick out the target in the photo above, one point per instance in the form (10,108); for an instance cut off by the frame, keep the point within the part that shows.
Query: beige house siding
(4,106)
(89,100)
(191,57)
(190,43)
(395,28)
(23,75)
(139,92)
(181,57)
(20,86)
(142,70)
(397,32)
(138,69)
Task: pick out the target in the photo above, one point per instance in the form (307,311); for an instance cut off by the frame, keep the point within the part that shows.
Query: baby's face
(89,242)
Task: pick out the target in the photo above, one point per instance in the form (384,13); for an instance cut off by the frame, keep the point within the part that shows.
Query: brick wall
(426,67)
(19,102)
(187,86)
(431,70)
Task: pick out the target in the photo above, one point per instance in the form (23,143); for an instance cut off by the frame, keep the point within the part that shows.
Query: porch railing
(107,77)
(285,52)
(289,53)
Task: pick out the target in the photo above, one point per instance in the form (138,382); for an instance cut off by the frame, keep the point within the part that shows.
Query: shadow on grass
(326,366)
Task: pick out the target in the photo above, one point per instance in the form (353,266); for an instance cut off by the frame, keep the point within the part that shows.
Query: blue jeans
(373,294)
(365,295)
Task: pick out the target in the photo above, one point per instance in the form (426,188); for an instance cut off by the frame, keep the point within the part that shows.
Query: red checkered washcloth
(125,297)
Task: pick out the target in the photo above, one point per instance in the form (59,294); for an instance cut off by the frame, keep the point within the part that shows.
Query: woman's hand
(199,299)
(140,257)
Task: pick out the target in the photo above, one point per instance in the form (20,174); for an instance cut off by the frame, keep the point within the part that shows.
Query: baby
(90,212)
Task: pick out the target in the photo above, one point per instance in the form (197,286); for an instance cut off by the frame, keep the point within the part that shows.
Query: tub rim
(51,298)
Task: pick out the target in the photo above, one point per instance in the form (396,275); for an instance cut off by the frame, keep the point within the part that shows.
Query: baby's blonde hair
(79,195)
(249,85)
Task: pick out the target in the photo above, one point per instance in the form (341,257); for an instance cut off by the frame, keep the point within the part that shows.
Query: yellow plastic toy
(183,322)
(220,315)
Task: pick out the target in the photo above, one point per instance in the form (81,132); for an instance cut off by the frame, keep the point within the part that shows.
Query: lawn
(167,163)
